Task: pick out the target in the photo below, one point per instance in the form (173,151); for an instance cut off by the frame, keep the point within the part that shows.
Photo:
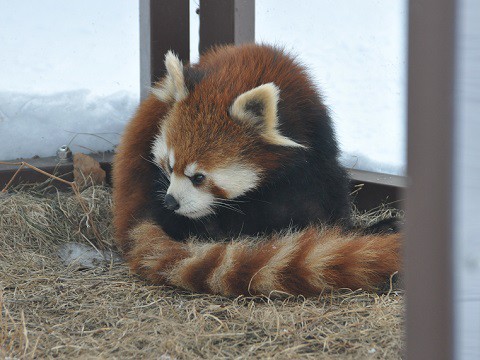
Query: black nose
(171,203)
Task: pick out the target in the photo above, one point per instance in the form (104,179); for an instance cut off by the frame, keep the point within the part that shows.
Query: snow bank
(36,125)
(32,124)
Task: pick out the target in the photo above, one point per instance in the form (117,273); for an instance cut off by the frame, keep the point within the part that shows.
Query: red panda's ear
(258,108)
(172,87)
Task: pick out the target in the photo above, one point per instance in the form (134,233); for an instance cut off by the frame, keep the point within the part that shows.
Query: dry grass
(49,310)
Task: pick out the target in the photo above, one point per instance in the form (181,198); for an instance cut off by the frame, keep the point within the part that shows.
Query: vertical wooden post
(429,229)
(164,25)
(226,22)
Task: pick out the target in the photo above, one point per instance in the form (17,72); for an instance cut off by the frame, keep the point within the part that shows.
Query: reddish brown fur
(248,263)
(356,261)
(196,274)
(131,174)
(210,122)
(296,275)
(370,259)
(218,192)
(319,259)
(154,253)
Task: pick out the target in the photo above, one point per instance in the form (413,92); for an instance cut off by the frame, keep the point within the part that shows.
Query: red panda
(227,181)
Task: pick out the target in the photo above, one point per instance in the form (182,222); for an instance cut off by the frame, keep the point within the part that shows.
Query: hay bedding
(50,310)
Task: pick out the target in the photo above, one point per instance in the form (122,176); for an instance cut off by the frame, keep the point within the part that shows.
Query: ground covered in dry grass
(50,310)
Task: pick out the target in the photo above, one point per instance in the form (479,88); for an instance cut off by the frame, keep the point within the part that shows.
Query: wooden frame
(226,22)
(428,250)
(164,25)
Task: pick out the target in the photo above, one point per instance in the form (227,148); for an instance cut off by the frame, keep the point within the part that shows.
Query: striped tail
(305,262)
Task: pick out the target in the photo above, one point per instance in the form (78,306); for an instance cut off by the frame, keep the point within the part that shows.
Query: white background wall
(467,182)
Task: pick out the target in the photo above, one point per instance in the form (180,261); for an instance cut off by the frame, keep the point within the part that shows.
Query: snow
(37,125)
(67,69)
(80,85)
(356,52)
(52,46)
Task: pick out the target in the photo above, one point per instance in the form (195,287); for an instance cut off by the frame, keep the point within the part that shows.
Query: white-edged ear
(258,108)
(172,88)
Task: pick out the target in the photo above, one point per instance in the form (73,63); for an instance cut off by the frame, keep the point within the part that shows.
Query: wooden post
(429,229)
(164,25)
(226,22)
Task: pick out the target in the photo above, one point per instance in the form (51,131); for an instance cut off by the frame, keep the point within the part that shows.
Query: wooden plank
(378,178)
(51,165)
(376,189)
(164,25)
(371,189)
(428,250)
(226,22)
(145,66)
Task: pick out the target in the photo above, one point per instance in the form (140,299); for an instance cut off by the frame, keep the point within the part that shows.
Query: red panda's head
(217,142)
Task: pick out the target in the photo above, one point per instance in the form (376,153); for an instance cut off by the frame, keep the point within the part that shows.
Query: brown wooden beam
(226,22)
(374,189)
(51,165)
(371,189)
(428,250)
(164,25)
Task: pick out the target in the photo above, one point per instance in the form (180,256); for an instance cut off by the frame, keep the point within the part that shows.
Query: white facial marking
(191,169)
(159,148)
(235,179)
(194,202)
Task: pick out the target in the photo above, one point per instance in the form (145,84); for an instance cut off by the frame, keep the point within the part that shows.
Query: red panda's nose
(171,203)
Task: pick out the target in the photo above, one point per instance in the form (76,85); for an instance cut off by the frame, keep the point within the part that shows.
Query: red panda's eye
(197,179)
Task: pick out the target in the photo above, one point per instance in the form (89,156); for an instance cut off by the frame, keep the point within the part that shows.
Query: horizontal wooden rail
(52,165)
(369,189)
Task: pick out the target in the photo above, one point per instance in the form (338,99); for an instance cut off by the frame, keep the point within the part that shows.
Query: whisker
(158,166)
(162,181)
(150,161)
(226,202)
(227,206)
(232,200)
